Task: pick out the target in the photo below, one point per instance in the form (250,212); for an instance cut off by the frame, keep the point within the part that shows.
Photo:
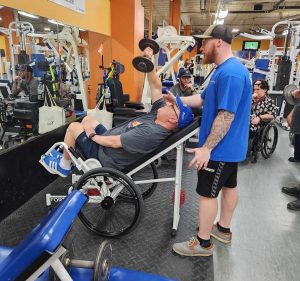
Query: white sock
(65,164)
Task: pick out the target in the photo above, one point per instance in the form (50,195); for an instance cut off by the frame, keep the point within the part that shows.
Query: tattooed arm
(219,129)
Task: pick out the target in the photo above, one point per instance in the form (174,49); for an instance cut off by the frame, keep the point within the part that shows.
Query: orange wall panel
(174,14)
(127,17)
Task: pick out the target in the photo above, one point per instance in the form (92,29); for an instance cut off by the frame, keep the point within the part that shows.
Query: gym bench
(44,255)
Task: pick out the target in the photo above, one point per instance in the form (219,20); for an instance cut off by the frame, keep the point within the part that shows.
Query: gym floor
(266,240)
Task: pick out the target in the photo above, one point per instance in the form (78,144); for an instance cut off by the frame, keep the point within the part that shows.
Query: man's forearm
(193,101)
(155,86)
(266,117)
(15,89)
(108,141)
(154,80)
(219,129)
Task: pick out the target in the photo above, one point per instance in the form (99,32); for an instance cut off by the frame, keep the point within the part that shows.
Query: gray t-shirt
(176,90)
(30,88)
(139,137)
(295,126)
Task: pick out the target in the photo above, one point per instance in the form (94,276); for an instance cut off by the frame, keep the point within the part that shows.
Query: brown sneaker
(192,248)
(220,236)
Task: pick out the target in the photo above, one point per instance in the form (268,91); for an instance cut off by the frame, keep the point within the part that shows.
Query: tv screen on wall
(251,45)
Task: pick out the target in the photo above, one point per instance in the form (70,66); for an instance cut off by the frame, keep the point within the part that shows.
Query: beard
(209,56)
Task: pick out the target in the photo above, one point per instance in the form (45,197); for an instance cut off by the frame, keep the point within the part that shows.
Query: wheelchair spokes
(264,141)
(269,140)
(148,172)
(107,213)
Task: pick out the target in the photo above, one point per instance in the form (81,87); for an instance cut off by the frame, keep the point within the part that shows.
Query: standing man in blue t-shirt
(222,142)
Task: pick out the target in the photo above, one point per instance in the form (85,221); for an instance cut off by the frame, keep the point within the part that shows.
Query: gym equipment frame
(108,189)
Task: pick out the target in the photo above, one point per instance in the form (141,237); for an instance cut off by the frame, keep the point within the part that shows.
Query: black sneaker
(294,205)
(293,191)
(292,159)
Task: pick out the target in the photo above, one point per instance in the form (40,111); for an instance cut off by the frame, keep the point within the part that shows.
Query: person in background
(184,87)
(293,120)
(263,108)
(27,83)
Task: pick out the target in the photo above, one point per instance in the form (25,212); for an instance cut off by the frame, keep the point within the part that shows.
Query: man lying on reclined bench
(124,144)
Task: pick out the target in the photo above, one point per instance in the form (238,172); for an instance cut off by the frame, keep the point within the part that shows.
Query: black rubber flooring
(266,240)
(148,248)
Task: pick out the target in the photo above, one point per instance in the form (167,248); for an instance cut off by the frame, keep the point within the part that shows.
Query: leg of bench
(61,271)
(176,214)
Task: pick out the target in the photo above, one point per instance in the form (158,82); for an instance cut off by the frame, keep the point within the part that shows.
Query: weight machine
(287,72)
(67,42)
(287,52)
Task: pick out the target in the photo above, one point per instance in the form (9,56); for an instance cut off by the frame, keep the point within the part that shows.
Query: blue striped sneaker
(54,153)
(52,165)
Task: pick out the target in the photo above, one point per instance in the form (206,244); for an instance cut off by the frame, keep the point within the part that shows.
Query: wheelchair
(116,198)
(264,140)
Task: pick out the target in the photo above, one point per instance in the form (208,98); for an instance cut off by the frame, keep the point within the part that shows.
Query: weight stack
(283,74)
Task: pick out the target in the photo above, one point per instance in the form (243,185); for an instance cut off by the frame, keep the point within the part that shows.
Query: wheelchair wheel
(107,213)
(269,140)
(147,173)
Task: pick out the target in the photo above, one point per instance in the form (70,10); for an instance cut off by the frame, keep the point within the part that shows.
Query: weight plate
(103,262)
(144,43)
(287,93)
(143,64)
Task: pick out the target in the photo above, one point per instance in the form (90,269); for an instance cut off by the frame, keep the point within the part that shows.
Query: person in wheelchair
(26,82)
(263,110)
(124,144)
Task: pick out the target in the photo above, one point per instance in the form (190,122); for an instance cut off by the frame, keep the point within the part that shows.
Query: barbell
(288,94)
(143,63)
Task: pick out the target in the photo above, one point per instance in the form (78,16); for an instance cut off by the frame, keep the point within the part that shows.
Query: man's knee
(75,127)
(88,120)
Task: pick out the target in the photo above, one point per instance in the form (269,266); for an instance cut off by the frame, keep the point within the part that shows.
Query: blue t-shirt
(229,89)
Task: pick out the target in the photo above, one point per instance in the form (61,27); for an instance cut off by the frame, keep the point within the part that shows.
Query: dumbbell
(101,266)
(143,63)
(288,94)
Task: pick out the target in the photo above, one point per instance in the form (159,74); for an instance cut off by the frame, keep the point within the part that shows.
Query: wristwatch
(91,135)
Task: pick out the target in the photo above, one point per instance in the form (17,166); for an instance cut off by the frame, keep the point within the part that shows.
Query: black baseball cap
(185,73)
(26,67)
(218,31)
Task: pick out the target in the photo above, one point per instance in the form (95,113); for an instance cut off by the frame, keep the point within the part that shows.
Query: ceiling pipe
(202,5)
(286,8)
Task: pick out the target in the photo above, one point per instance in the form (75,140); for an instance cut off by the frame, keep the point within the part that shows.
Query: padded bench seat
(22,261)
